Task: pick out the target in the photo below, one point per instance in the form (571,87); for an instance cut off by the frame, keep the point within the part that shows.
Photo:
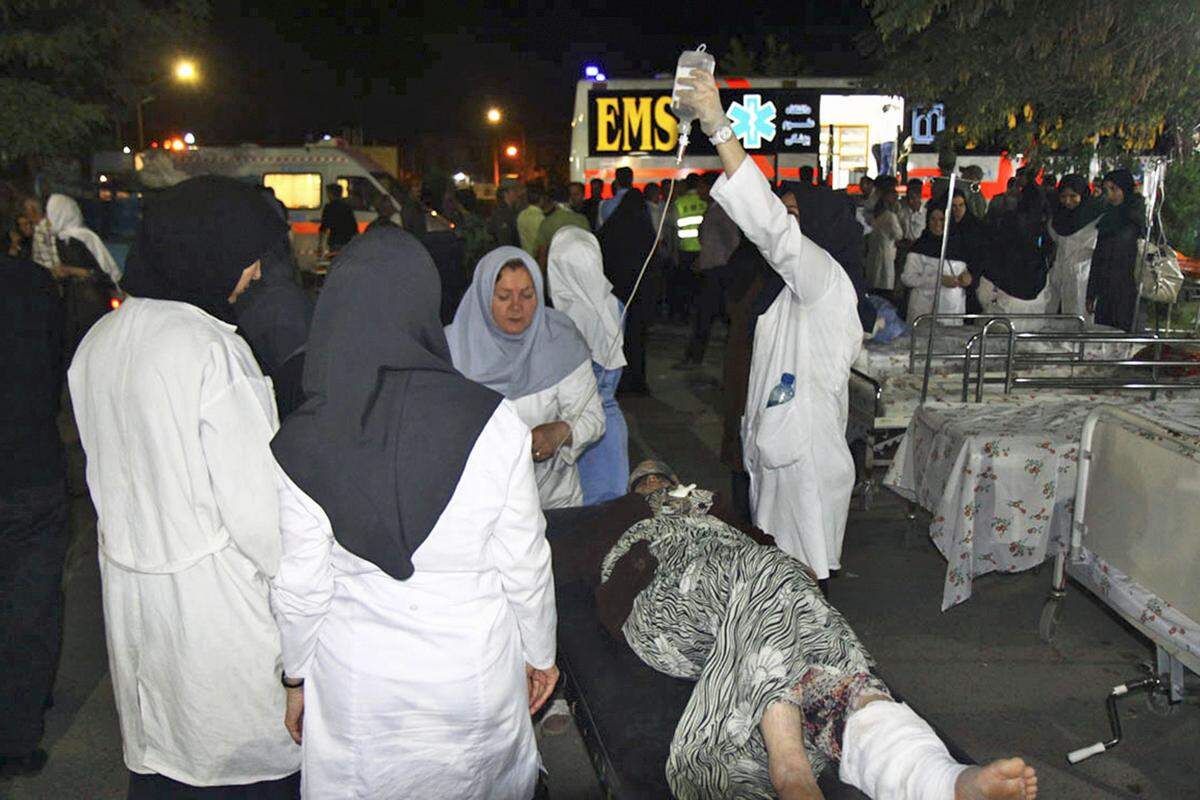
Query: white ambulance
(784,124)
(298,175)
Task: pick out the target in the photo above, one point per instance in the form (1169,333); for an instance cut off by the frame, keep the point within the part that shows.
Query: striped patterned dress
(750,626)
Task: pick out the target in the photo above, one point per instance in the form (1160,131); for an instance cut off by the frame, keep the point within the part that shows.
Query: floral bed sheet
(999,478)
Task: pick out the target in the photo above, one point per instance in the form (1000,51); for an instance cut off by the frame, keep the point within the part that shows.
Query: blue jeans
(604,467)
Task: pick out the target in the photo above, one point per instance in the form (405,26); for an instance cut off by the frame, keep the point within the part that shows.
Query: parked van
(298,175)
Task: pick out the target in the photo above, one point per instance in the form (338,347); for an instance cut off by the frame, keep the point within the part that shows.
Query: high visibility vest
(689,213)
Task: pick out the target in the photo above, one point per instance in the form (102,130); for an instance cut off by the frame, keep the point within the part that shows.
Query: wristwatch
(723,135)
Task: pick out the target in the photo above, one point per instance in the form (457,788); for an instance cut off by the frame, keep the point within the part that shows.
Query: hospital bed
(999,481)
(626,711)
(1135,543)
(887,381)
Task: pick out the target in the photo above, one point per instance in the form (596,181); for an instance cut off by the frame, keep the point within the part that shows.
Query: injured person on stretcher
(784,689)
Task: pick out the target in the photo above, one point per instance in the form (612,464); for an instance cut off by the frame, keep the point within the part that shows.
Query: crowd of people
(1044,245)
(322,525)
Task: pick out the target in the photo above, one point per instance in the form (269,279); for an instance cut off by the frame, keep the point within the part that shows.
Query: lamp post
(184,71)
(494,118)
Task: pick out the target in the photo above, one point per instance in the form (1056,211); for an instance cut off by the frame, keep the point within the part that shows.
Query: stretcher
(627,712)
(1134,545)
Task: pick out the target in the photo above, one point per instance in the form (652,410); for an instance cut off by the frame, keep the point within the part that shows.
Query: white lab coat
(881,249)
(416,688)
(801,472)
(176,421)
(1068,277)
(573,400)
(995,300)
(921,275)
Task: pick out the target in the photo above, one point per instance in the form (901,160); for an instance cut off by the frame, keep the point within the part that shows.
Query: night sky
(278,72)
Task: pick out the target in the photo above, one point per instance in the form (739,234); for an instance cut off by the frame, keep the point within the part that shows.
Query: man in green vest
(687,213)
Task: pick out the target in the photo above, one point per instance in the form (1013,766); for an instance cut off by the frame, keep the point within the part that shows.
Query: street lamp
(184,71)
(494,117)
(511,151)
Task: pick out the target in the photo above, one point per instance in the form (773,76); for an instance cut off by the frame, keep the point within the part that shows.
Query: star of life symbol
(753,122)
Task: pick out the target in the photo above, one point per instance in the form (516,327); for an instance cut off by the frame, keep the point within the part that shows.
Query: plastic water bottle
(784,391)
(689,60)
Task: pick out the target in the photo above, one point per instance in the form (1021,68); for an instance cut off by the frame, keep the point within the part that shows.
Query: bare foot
(1006,779)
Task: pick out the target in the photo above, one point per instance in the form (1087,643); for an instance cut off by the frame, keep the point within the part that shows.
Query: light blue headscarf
(515,365)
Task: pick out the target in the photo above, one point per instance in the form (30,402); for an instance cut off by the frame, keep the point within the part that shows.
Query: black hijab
(1068,221)
(273,314)
(448,253)
(196,239)
(381,442)
(1015,259)
(828,220)
(625,240)
(930,245)
(1131,212)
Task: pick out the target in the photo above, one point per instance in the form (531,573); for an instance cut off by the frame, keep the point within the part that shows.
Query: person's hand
(293,717)
(702,94)
(547,438)
(950,281)
(541,684)
(1091,306)
(965,280)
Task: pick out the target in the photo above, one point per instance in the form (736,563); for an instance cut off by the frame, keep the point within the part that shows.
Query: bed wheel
(1048,623)
(1159,703)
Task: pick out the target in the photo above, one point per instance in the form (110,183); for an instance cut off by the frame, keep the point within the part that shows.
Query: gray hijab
(515,365)
(381,396)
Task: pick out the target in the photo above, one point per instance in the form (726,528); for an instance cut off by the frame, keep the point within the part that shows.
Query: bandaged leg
(890,753)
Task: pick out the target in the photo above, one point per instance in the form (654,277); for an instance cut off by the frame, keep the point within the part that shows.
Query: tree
(69,69)
(774,58)
(1046,77)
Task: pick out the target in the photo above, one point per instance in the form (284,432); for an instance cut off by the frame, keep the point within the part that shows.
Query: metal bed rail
(937,319)
(1015,362)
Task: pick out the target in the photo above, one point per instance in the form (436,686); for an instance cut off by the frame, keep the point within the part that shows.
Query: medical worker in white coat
(176,420)
(414,598)
(801,471)
(921,272)
(575,267)
(504,337)
(1073,229)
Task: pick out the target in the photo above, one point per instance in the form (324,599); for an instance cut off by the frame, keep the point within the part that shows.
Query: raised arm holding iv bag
(689,60)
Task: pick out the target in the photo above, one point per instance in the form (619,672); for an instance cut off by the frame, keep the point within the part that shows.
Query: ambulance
(298,175)
(784,124)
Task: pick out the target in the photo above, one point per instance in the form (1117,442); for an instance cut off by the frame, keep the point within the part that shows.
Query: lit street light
(494,116)
(184,71)
(511,151)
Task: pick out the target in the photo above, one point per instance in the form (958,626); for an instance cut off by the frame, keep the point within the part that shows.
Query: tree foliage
(70,68)
(772,57)
(1047,77)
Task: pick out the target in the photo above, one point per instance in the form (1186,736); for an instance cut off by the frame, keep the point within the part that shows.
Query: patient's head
(650,476)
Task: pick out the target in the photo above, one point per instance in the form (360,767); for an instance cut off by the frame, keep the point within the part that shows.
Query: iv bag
(688,61)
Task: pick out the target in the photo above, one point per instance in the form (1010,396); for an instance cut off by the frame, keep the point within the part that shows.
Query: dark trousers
(637,323)
(33,540)
(681,285)
(739,483)
(708,306)
(159,787)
